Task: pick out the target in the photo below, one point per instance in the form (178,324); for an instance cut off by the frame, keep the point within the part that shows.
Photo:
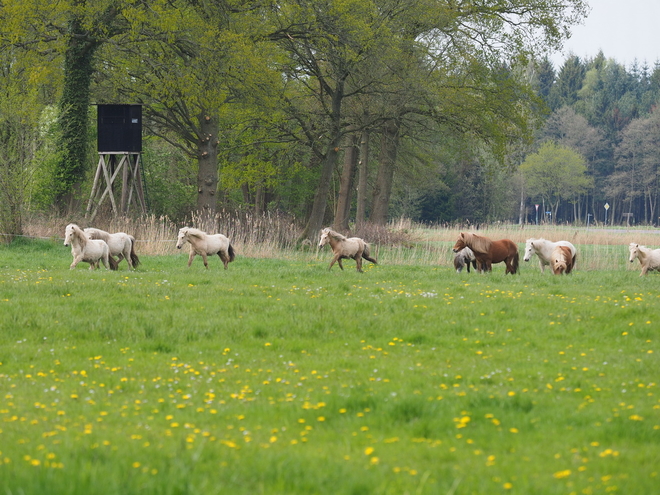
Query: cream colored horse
(88,250)
(344,248)
(120,244)
(561,260)
(648,258)
(205,244)
(544,249)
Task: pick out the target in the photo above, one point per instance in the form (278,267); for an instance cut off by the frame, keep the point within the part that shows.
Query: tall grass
(400,242)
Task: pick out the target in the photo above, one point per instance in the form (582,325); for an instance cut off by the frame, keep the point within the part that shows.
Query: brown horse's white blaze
(344,248)
(487,251)
(88,250)
(205,244)
(561,260)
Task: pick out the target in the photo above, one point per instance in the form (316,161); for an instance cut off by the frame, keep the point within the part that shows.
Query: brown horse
(488,251)
(345,247)
(562,260)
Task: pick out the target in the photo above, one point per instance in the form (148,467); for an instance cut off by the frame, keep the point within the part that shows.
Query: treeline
(335,112)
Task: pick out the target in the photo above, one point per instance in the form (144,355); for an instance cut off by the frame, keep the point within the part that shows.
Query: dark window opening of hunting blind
(119,128)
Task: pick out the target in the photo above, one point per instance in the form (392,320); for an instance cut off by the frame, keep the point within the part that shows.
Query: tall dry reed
(275,235)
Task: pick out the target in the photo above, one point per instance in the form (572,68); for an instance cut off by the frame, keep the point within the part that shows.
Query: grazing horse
(465,257)
(206,244)
(488,251)
(88,250)
(120,244)
(648,258)
(562,260)
(344,248)
(544,248)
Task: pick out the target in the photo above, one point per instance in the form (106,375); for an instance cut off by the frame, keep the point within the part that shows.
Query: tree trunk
(346,184)
(388,150)
(207,158)
(315,221)
(74,118)
(363,170)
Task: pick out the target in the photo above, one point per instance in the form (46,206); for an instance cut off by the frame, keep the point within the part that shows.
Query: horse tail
(231,252)
(134,257)
(365,254)
(516,260)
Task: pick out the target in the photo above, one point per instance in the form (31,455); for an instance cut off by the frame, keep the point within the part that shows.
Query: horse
(344,248)
(543,249)
(487,251)
(120,244)
(648,258)
(88,250)
(205,244)
(465,257)
(562,260)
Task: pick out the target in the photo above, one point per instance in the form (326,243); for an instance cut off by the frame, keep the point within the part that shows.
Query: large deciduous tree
(555,173)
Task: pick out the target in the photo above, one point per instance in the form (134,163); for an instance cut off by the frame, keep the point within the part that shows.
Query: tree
(555,173)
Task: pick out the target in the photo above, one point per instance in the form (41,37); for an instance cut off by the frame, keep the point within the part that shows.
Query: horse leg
(205,259)
(225,259)
(358,262)
(191,256)
(339,263)
(76,260)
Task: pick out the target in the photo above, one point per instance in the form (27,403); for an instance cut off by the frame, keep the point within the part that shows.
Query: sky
(624,30)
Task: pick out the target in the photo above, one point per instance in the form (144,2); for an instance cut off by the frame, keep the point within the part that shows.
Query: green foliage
(170,177)
(278,376)
(555,173)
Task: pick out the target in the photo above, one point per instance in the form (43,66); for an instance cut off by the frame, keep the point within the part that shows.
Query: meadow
(278,376)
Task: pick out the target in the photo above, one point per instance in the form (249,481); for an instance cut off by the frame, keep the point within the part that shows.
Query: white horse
(543,249)
(648,258)
(120,244)
(88,250)
(465,257)
(345,247)
(205,244)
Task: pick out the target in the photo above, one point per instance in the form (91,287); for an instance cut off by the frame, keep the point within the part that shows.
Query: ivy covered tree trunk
(74,117)
(207,176)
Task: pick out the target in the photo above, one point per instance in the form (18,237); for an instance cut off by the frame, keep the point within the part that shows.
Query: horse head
(460,243)
(529,249)
(181,240)
(69,233)
(325,237)
(634,251)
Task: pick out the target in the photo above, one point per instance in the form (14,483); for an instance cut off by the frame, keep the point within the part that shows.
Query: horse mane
(478,243)
(334,234)
(191,231)
(99,234)
(80,234)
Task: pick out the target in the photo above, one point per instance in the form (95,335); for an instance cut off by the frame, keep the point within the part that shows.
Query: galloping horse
(488,251)
(465,257)
(543,249)
(120,244)
(88,250)
(205,244)
(345,248)
(648,258)
(562,260)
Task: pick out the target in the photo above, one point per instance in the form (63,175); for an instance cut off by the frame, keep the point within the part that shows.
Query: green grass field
(279,377)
